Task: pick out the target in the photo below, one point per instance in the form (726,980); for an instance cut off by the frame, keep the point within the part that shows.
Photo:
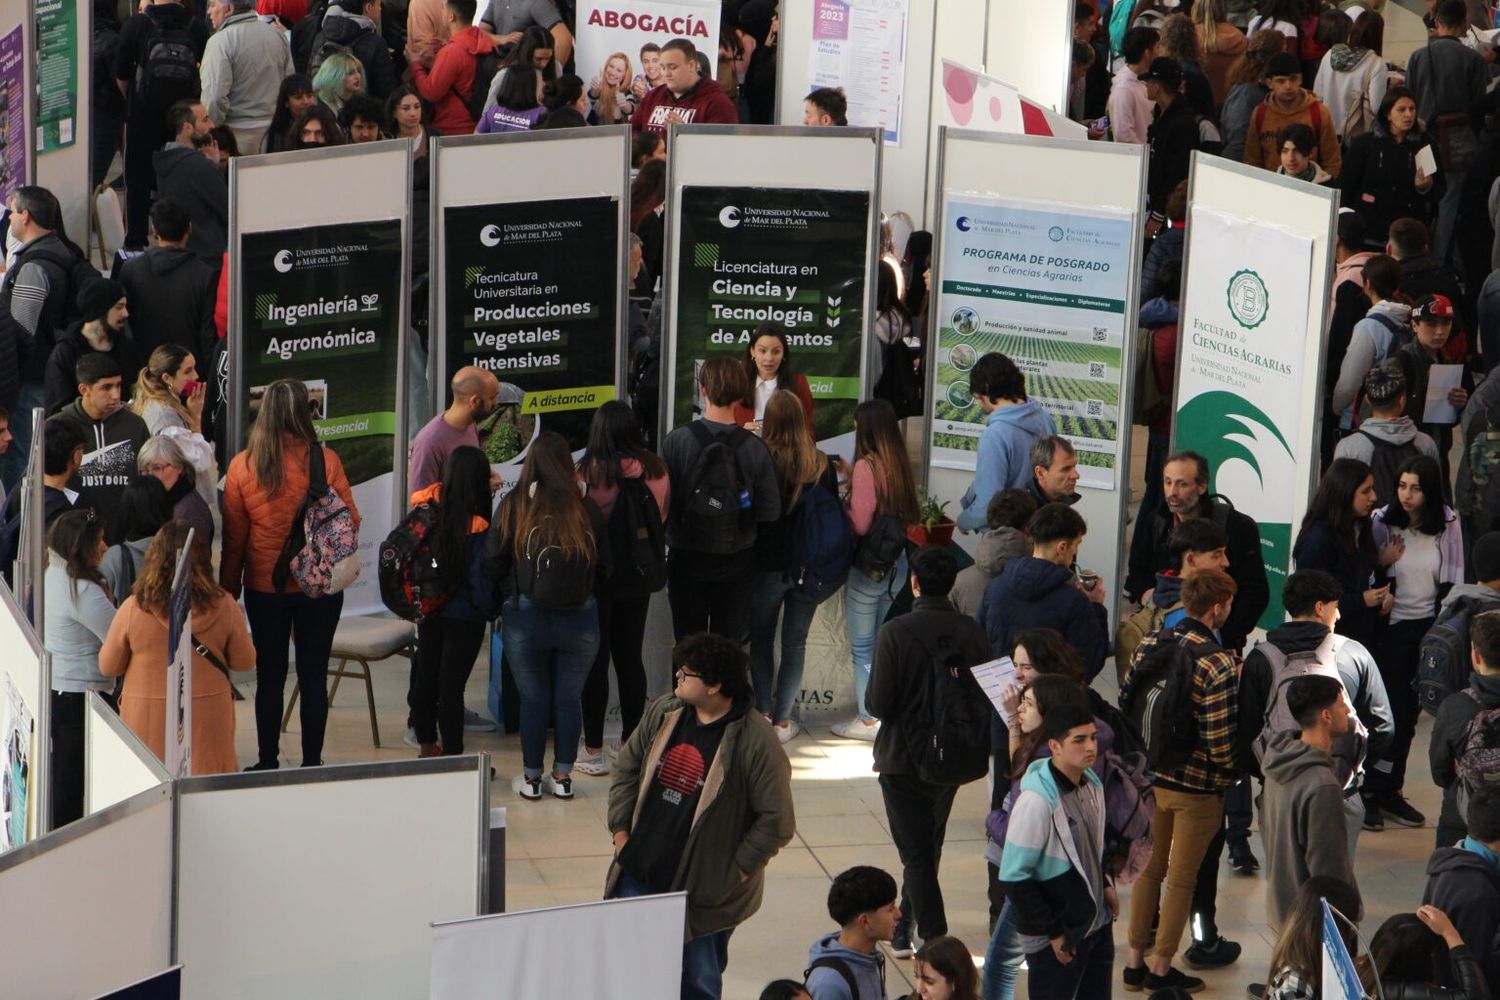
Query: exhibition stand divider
(530,278)
(1052,284)
(319,287)
(535,952)
(117,765)
(779,225)
(1256,279)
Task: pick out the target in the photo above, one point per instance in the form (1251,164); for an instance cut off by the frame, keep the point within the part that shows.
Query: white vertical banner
(610,27)
(179,743)
(1240,371)
(1340,978)
(860,45)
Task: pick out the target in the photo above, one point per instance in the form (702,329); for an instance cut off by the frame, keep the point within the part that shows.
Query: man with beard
(189,178)
(100,328)
(112,437)
(476,393)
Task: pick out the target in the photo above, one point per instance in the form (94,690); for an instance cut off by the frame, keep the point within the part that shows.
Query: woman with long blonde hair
(168,392)
(1221,41)
(263,490)
(545,550)
(882,501)
(610,93)
(137,648)
(800,467)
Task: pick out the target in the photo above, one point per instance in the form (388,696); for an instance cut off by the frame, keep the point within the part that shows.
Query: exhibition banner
(14,106)
(1047,287)
(797,259)
(57,73)
(323,304)
(611,28)
(179,722)
(860,45)
(1241,342)
(531,294)
(16,787)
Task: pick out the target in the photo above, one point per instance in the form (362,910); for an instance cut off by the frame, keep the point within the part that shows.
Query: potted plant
(934,526)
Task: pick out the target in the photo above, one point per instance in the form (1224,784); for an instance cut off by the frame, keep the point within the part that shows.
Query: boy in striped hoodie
(1052,869)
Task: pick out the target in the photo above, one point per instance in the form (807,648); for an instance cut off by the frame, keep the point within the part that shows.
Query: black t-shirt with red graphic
(655,847)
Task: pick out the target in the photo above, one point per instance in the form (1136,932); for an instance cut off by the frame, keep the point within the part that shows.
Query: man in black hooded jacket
(171,291)
(1464,882)
(355,25)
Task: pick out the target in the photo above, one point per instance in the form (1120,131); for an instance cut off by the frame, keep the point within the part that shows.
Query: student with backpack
(881,502)
(1465,749)
(265,493)
(1352,79)
(1336,537)
(1463,881)
(449,84)
(847,964)
(1384,329)
(1288,103)
(1443,660)
(1064,903)
(456,511)
(1182,694)
(1195,544)
(801,559)
(1388,438)
(726,486)
(628,484)
(934,735)
(548,549)
(1307,645)
(1476,486)
(1302,824)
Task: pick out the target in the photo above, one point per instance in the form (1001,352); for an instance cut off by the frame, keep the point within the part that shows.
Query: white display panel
(1029,44)
(117,765)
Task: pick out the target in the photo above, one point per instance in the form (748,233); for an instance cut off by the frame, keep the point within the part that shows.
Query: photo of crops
(1045,388)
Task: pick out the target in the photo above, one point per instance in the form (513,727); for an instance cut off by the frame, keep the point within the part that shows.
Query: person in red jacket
(685,96)
(449,81)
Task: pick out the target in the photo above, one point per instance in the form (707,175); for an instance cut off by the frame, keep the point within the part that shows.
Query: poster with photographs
(619,43)
(16,731)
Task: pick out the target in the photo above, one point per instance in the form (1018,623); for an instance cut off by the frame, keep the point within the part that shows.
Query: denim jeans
(308,623)
(13,462)
(704,958)
(1002,960)
(866,603)
(550,653)
(775,596)
(1087,977)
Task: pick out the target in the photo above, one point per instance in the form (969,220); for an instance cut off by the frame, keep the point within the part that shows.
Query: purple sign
(12,113)
(831,23)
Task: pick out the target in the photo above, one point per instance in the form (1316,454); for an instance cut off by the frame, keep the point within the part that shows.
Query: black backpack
(412,584)
(304,35)
(717,514)
(900,382)
(1385,464)
(1158,699)
(837,965)
(820,545)
(551,577)
(644,386)
(1443,663)
(168,68)
(948,720)
(486,65)
(638,541)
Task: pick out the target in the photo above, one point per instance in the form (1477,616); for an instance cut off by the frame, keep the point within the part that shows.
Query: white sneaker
(410,738)
(592,763)
(787,731)
(561,788)
(527,788)
(857,729)
(476,723)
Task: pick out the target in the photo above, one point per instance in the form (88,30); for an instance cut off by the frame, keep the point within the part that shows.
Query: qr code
(1095,407)
(1100,336)
(1096,369)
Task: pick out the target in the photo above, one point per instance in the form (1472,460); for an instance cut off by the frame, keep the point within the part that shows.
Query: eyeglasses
(157,468)
(685,672)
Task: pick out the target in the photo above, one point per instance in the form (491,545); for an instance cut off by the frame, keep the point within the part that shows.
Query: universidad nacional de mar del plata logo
(1249,302)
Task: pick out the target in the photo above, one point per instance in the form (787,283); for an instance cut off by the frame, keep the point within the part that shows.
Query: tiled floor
(558,851)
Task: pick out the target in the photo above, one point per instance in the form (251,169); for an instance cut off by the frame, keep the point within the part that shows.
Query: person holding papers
(1381,179)
(1423,365)
(903,694)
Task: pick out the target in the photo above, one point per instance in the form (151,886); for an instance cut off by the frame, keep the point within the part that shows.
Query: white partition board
(535,953)
(20,651)
(1029,44)
(90,906)
(117,765)
(335,878)
(288,189)
(1068,174)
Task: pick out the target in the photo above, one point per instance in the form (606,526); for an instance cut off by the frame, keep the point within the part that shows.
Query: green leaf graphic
(705,254)
(263,304)
(471,275)
(1214,421)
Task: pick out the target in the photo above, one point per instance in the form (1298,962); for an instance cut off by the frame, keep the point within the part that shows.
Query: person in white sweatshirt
(1383,331)
(1353,72)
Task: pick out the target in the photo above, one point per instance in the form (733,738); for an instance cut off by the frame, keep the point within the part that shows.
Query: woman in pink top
(617,459)
(880,487)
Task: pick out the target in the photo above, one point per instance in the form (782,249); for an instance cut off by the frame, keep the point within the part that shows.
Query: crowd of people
(1392,606)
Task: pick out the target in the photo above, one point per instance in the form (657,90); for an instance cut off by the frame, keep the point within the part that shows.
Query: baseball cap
(1433,307)
(1164,71)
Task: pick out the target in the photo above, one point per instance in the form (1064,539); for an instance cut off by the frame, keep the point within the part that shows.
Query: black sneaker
(901,944)
(1374,822)
(1212,956)
(1242,859)
(1175,979)
(1135,979)
(261,765)
(1255,991)
(1400,812)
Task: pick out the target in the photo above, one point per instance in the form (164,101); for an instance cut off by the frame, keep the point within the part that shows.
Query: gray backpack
(1348,750)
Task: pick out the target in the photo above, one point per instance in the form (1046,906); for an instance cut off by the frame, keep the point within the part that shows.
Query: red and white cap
(1433,307)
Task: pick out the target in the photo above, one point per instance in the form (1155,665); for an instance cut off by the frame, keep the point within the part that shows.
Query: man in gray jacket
(243,66)
(1302,823)
(1388,430)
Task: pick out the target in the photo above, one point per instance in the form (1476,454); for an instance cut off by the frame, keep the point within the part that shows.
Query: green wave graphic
(1208,420)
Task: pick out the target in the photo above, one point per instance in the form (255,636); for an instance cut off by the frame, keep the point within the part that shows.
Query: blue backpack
(820,545)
